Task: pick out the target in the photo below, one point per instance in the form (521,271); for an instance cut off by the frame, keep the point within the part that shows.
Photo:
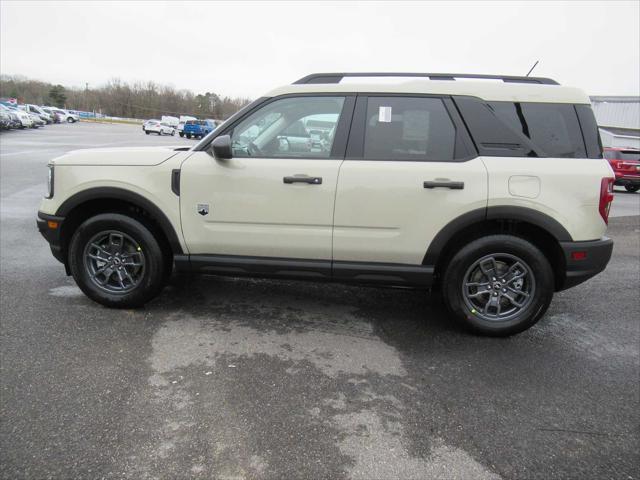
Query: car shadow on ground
(195,294)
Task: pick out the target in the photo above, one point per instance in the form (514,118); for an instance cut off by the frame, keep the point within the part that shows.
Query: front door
(275,197)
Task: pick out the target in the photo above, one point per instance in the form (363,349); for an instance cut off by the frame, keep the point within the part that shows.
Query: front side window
(283,129)
(406,128)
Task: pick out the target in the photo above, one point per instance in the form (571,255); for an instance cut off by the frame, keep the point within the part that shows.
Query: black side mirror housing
(221,147)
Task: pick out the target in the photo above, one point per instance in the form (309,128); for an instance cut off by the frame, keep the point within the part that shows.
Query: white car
(65,115)
(37,120)
(36,110)
(26,121)
(156,126)
(495,191)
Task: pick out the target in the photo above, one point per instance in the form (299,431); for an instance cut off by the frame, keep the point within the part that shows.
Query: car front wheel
(632,188)
(116,261)
(498,285)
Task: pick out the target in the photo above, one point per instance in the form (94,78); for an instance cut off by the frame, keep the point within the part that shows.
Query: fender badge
(203,209)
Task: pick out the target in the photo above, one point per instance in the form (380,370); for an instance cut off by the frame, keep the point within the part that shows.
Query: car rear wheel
(188,135)
(632,188)
(116,261)
(498,285)
(147,132)
(181,134)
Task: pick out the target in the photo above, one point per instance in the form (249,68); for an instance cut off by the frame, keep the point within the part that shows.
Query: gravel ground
(234,379)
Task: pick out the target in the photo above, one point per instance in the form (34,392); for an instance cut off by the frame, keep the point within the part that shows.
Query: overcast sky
(245,49)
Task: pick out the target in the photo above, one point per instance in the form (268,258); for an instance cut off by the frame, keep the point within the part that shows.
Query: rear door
(410,170)
(270,199)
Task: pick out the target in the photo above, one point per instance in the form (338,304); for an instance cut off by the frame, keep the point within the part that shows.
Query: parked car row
(32,116)
(186,126)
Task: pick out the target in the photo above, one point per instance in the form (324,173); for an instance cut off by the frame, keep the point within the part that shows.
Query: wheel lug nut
(504,290)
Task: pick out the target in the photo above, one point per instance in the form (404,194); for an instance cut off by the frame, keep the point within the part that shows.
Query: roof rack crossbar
(337,77)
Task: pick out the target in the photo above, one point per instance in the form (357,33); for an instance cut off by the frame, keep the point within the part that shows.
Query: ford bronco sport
(496,191)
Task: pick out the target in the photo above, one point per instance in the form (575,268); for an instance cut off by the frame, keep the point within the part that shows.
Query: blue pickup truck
(198,128)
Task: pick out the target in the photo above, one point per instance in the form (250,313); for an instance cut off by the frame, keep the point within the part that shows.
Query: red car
(626,165)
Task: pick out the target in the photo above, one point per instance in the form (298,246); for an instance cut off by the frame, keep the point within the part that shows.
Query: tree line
(121,99)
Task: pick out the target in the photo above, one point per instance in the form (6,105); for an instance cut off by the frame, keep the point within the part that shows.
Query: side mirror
(221,147)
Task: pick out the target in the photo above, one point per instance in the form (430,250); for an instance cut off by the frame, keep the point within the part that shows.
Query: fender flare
(522,214)
(110,193)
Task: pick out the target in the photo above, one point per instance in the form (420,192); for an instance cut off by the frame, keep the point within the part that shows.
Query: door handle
(451,185)
(303,179)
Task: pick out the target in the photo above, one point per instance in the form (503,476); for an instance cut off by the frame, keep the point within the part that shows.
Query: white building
(619,120)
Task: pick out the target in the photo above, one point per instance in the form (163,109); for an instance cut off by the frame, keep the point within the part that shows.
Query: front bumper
(584,260)
(50,227)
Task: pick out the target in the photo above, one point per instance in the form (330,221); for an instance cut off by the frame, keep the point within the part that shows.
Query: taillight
(606,197)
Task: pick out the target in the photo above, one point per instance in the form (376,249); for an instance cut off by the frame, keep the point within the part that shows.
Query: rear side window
(406,128)
(552,128)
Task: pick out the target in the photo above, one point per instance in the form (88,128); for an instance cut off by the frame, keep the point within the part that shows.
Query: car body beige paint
(371,211)
(74,174)
(384,214)
(569,190)
(253,212)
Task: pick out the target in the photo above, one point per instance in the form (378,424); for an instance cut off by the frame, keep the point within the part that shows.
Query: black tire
(503,248)
(159,133)
(147,132)
(151,277)
(70,120)
(173,133)
(188,135)
(632,188)
(181,134)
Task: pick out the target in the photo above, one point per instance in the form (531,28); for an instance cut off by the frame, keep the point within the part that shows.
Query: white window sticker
(384,114)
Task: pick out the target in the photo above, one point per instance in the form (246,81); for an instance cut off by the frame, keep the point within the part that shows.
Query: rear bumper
(45,223)
(596,255)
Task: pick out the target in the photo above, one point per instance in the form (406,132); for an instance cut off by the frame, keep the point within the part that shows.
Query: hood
(125,156)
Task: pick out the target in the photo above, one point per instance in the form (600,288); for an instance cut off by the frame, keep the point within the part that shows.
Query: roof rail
(337,77)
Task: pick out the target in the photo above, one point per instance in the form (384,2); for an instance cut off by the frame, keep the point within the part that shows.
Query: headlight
(50,182)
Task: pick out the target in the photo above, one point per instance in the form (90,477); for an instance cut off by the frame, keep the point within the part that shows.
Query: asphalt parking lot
(235,378)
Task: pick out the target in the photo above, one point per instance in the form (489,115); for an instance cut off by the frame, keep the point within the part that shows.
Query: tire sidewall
(496,244)
(152,280)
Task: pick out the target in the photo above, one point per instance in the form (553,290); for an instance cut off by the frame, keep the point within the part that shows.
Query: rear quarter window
(552,128)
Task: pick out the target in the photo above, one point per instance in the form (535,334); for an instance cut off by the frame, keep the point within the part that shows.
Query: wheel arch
(86,203)
(543,231)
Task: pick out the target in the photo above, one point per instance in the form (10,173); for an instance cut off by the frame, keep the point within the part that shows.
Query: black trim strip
(337,77)
(109,193)
(235,265)
(175,181)
(383,274)
(299,269)
(510,213)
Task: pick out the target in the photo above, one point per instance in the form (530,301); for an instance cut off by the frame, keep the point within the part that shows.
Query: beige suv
(494,190)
